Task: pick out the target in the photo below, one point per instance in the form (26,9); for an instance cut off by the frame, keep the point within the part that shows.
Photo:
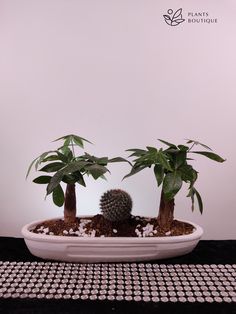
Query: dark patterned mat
(128,281)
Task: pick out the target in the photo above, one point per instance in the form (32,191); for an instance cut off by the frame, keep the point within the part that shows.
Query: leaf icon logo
(174,19)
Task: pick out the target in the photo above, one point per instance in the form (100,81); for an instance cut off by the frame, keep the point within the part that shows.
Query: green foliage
(171,167)
(64,166)
(58,196)
(172,183)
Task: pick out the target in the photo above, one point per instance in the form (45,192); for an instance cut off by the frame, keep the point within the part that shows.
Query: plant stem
(166,212)
(70,203)
(191,147)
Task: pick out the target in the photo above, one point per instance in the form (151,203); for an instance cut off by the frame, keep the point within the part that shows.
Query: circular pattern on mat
(128,281)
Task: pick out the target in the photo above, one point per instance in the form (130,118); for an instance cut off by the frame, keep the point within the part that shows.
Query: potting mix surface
(98,226)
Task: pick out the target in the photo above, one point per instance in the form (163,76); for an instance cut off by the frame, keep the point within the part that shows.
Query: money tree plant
(63,166)
(171,169)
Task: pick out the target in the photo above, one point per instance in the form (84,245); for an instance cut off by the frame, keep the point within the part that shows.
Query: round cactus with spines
(116,205)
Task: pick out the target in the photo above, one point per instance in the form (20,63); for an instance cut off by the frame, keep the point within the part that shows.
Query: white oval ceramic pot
(110,249)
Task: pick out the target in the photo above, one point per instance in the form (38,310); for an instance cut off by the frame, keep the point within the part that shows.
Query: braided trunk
(70,203)
(166,213)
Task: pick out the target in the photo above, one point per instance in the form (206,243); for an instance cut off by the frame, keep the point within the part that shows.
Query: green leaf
(198,143)
(57,178)
(152,149)
(180,158)
(73,137)
(191,194)
(172,184)
(69,179)
(194,179)
(171,151)
(70,156)
(183,148)
(30,167)
(65,150)
(58,196)
(88,156)
(95,160)
(176,157)
(133,171)
(136,152)
(167,143)
(211,155)
(163,160)
(103,177)
(102,161)
(118,159)
(80,179)
(78,141)
(187,173)
(199,199)
(159,173)
(52,167)
(50,158)
(65,137)
(96,170)
(41,158)
(62,157)
(81,138)
(55,181)
(42,179)
(67,141)
(73,178)
(37,162)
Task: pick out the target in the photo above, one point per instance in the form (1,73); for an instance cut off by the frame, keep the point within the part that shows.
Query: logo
(174,18)
(191,17)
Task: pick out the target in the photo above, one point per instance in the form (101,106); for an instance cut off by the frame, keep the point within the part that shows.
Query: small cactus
(116,205)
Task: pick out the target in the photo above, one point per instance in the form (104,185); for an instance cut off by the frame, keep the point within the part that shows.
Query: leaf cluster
(171,167)
(62,165)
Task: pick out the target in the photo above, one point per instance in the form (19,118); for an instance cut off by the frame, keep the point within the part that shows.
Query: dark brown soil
(98,226)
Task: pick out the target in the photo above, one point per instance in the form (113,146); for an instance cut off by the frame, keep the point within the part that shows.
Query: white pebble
(147,230)
(65,231)
(93,233)
(51,233)
(138,232)
(114,230)
(102,236)
(168,233)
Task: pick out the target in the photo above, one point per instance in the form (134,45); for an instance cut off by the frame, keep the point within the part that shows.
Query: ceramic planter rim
(196,234)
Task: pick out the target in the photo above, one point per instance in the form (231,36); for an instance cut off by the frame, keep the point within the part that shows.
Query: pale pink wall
(114,72)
